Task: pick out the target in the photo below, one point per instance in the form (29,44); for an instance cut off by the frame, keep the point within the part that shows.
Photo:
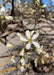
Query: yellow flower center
(30,40)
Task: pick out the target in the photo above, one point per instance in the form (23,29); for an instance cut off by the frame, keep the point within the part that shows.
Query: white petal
(13,57)
(13,60)
(3,9)
(18,1)
(32,32)
(44,6)
(22,68)
(23,39)
(8,17)
(19,34)
(35,36)
(28,34)
(39,50)
(46,55)
(36,44)
(22,61)
(28,46)
(10,45)
(35,61)
(22,52)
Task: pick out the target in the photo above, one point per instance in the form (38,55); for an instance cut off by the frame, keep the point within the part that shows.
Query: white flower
(30,39)
(35,61)
(22,52)
(22,61)
(13,60)
(53,53)
(8,17)
(13,57)
(8,3)
(44,6)
(3,9)
(10,8)
(39,50)
(29,53)
(46,55)
(19,1)
(10,45)
(42,60)
(22,68)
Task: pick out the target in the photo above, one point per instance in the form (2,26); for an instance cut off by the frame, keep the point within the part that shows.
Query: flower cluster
(3,14)
(2,10)
(31,39)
